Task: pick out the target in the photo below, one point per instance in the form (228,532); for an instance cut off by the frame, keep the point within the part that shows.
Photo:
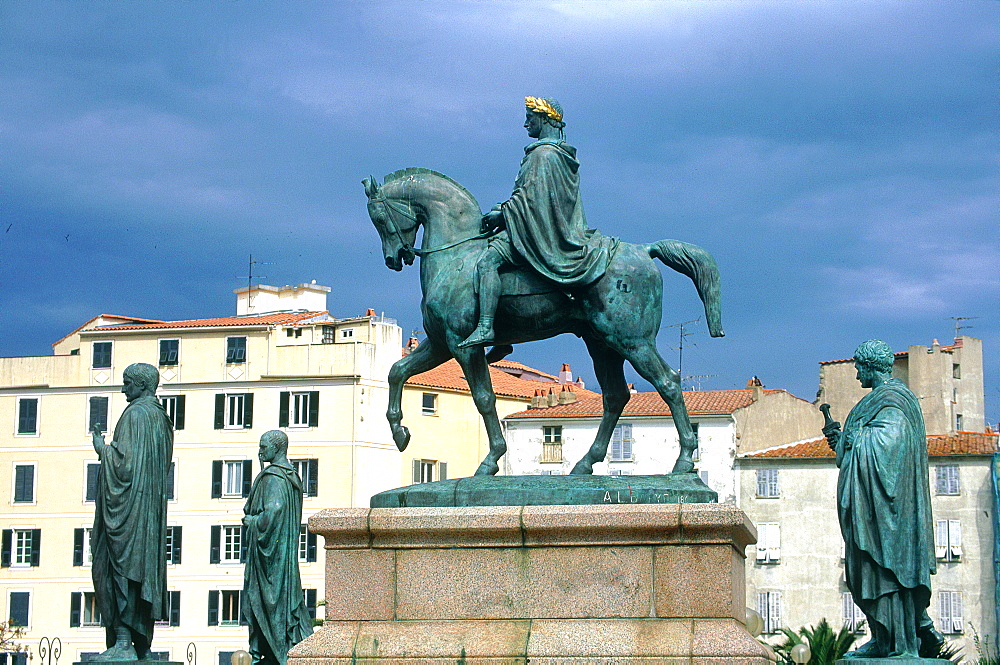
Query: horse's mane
(417,170)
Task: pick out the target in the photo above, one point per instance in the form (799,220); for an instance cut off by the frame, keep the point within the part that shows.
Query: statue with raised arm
(883,502)
(542,224)
(274,605)
(129,537)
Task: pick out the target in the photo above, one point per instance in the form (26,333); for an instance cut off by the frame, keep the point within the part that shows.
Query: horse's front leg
(425,357)
(477,373)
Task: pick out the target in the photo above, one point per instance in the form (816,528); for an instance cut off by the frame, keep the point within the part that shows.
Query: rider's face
(533,123)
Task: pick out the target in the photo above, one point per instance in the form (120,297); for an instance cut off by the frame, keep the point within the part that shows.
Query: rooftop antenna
(680,347)
(958,323)
(250,277)
(697,380)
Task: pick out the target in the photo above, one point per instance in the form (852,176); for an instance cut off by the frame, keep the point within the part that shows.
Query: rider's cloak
(545,218)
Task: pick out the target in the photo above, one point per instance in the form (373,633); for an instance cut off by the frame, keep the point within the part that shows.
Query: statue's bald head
(277,439)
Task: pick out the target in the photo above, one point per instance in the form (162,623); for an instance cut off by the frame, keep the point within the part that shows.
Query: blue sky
(840,159)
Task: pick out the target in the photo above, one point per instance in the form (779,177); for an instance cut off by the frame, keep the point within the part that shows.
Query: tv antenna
(958,323)
(697,380)
(250,277)
(683,334)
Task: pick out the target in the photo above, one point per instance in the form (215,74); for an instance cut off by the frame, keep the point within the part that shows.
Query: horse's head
(395,222)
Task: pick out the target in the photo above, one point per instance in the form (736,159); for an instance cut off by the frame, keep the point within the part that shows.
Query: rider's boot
(482,335)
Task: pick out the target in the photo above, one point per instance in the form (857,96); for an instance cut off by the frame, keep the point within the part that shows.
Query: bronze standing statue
(130,519)
(531,269)
(274,605)
(883,501)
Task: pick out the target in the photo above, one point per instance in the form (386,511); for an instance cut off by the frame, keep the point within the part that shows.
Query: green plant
(826,646)
(985,652)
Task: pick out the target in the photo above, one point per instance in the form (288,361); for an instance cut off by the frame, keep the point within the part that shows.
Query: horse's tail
(699,265)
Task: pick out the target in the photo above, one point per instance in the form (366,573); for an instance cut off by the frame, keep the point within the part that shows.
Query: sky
(839,159)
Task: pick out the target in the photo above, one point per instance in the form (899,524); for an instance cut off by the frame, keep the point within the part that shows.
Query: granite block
(609,638)
(393,640)
(334,640)
(626,524)
(725,638)
(513,583)
(718,523)
(342,528)
(360,585)
(699,581)
(479,526)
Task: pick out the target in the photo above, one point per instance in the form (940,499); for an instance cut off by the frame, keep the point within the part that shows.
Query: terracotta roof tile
(704,402)
(224,322)
(961,443)
(449,376)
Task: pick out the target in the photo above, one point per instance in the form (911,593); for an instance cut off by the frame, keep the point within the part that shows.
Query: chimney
(580,384)
(411,344)
(552,398)
(369,312)
(631,388)
(566,395)
(565,375)
(756,388)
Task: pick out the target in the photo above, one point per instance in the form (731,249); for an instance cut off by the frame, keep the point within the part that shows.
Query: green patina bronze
(130,519)
(549,491)
(474,270)
(883,501)
(274,605)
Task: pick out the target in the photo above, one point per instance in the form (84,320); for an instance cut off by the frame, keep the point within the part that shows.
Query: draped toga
(273,605)
(544,217)
(129,536)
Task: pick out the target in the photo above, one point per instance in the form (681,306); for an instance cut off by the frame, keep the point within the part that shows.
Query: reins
(395,230)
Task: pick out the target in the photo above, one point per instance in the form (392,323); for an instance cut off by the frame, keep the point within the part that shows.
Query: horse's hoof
(487,469)
(718,333)
(582,468)
(401,436)
(683,466)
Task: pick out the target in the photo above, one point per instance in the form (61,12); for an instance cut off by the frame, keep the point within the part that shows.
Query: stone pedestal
(570,584)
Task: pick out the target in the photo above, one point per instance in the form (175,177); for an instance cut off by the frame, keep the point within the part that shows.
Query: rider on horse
(546,229)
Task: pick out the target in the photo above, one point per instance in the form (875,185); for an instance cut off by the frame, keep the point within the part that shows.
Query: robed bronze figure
(130,519)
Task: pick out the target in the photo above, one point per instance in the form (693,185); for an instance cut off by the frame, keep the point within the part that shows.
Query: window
(950,611)
(173,617)
(307,545)
(620,472)
(27,415)
(20,547)
(621,444)
(298,409)
(171,473)
(82,553)
(425,470)
(854,618)
(696,455)
(90,481)
(958,422)
(19,608)
(310,598)
(948,540)
(231,478)
(552,443)
(956,371)
(428,404)
(946,479)
(227,544)
(768,542)
(226,657)
(767,483)
(13,658)
(234,411)
(347,333)
(102,355)
(769,608)
(704,476)
(91,616)
(169,349)
(24,483)
(224,608)
(557,472)
(328,334)
(174,406)
(98,413)
(236,350)
(308,470)
(174,534)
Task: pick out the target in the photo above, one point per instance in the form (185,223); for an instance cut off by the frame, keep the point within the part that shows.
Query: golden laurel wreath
(539,105)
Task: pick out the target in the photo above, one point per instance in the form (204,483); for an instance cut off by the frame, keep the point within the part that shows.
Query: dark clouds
(839,159)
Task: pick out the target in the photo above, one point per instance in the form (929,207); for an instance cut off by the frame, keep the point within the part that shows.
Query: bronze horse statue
(617,316)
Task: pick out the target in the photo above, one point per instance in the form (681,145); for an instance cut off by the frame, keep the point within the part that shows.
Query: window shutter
(310,546)
(176,553)
(213,551)
(310,597)
(213,607)
(941,539)
(772,483)
(626,451)
(75,600)
(773,542)
(775,603)
(616,443)
(442,471)
(761,484)
(762,610)
(416,471)
(170,480)
(314,408)
(175,607)
(944,610)
(36,543)
(283,409)
(761,544)
(247,477)
(217,479)
(247,411)
(243,545)
(220,411)
(955,538)
(957,615)
(24,483)
(7,538)
(179,412)
(847,610)
(77,547)
(92,472)
(243,618)
(953,487)
(312,485)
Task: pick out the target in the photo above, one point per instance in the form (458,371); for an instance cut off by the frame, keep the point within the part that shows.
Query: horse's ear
(371,186)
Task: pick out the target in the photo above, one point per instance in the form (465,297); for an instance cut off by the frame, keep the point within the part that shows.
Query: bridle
(393,228)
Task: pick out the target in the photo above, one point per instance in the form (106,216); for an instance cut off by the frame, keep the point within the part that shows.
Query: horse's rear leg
(651,366)
(425,357)
(608,367)
(477,373)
